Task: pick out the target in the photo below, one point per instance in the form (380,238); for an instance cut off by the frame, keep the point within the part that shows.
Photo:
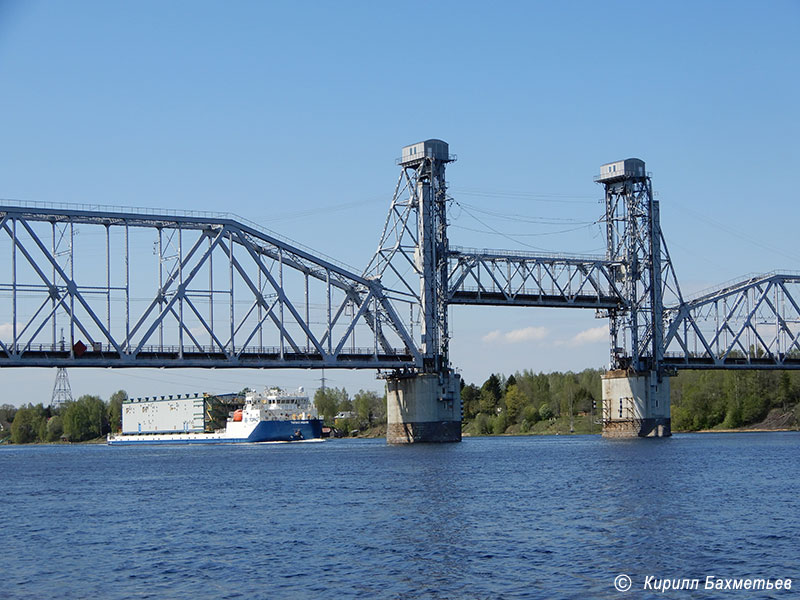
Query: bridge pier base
(425,407)
(635,405)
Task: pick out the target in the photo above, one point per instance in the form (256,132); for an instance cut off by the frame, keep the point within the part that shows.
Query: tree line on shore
(527,402)
(86,418)
(364,411)
(730,399)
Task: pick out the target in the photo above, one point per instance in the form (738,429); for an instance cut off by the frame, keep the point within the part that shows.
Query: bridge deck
(266,358)
(753,363)
(484,298)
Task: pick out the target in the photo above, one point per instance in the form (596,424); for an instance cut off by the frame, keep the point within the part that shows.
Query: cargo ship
(273,416)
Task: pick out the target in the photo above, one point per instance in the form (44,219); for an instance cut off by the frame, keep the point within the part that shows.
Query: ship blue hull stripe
(265,431)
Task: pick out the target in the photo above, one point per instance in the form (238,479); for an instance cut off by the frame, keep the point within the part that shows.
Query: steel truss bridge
(157,290)
(110,287)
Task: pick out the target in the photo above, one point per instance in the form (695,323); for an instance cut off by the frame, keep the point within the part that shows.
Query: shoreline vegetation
(524,403)
(563,403)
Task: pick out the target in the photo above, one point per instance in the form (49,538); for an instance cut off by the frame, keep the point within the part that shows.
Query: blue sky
(291,114)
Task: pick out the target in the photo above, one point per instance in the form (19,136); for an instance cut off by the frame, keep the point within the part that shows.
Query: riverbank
(580,425)
(586,425)
(776,420)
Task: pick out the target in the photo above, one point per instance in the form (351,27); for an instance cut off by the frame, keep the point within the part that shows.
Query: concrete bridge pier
(635,405)
(424,407)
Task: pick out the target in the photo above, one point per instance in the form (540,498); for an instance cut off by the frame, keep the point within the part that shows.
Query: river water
(503,517)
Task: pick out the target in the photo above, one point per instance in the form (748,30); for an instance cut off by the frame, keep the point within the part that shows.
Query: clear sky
(292,114)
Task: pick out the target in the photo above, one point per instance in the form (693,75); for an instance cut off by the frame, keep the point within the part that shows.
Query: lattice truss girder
(751,324)
(411,258)
(643,270)
(395,262)
(152,290)
(639,295)
(518,279)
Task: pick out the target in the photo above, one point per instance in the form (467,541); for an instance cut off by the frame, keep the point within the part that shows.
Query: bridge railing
(99,349)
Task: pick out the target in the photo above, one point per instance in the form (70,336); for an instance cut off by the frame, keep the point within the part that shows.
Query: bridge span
(150,289)
(125,288)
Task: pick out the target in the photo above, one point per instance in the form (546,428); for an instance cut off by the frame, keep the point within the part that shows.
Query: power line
(533,196)
(512,237)
(525,218)
(525,234)
(737,233)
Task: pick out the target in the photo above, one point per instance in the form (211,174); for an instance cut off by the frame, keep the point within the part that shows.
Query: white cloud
(586,337)
(7,333)
(516,336)
(589,336)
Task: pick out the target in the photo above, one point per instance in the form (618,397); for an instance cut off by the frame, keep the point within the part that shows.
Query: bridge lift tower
(424,405)
(636,388)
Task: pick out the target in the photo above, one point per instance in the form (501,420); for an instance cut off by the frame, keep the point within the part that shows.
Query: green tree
(583,399)
(326,404)
(515,402)
(344,403)
(530,414)
(379,410)
(509,382)
(28,423)
(55,428)
(499,424)
(7,412)
(545,412)
(114,411)
(470,400)
(535,387)
(483,424)
(330,401)
(490,395)
(784,394)
(85,419)
(367,406)
(682,419)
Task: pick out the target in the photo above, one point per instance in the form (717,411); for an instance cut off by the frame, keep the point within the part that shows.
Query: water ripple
(526,517)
